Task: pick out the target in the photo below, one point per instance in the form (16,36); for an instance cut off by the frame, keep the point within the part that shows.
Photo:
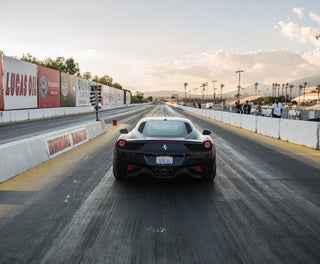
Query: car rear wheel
(209,172)
(119,173)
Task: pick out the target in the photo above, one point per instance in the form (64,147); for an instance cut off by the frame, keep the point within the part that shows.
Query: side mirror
(124,131)
(206,132)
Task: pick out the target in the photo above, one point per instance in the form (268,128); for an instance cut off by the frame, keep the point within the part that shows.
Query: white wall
(31,114)
(31,152)
(305,133)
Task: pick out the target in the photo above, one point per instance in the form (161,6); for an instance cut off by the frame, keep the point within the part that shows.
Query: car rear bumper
(192,164)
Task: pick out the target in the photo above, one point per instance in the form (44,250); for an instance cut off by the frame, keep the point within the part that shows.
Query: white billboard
(82,92)
(105,94)
(20,84)
(112,95)
(128,95)
(119,96)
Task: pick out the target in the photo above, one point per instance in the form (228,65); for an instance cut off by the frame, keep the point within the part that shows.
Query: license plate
(163,160)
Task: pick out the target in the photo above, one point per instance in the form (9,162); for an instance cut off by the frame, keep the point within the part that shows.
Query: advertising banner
(112,95)
(68,90)
(48,87)
(105,94)
(82,92)
(20,84)
(119,96)
(129,98)
(1,84)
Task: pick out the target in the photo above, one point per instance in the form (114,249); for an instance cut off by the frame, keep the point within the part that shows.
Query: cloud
(314,17)
(258,66)
(299,11)
(302,34)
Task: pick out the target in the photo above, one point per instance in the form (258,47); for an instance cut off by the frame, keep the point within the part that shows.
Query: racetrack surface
(263,206)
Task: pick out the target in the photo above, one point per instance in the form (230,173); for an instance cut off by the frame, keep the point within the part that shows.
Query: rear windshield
(162,128)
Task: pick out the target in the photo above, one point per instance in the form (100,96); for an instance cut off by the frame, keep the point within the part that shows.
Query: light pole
(239,81)
(214,91)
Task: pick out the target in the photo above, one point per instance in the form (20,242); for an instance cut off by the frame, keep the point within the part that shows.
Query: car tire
(119,173)
(210,172)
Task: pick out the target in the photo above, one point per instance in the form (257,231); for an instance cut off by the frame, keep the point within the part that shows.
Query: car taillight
(122,143)
(207,144)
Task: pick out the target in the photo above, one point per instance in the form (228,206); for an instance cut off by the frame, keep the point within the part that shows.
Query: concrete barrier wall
(225,117)
(248,122)
(19,156)
(235,120)
(304,133)
(268,126)
(32,114)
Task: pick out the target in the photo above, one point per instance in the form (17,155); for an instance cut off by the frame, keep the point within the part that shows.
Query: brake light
(198,168)
(130,167)
(122,143)
(207,144)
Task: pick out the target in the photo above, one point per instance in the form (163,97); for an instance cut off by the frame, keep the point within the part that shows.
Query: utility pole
(239,81)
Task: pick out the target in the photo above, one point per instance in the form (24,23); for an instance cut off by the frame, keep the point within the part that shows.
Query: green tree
(117,85)
(95,78)
(87,75)
(71,67)
(105,79)
(29,58)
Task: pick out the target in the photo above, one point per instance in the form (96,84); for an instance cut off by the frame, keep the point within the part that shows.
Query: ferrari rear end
(165,158)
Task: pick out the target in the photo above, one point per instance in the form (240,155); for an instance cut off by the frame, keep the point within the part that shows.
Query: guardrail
(300,132)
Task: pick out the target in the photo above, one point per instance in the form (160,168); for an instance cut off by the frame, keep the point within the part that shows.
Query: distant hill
(262,88)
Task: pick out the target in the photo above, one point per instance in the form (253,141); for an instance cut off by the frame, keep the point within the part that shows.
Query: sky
(149,45)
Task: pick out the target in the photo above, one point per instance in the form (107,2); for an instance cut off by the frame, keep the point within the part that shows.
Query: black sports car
(165,147)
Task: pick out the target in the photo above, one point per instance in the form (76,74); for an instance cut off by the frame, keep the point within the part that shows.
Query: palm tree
(282,89)
(256,87)
(278,88)
(318,89)
(185,92)
(221,87)
(287,84)
(272,88)
(304,91)
(290,88)
(203,89)
(300,88)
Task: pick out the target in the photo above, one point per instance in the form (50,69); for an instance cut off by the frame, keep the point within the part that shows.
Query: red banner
(79,136)
(59,144)
(48,87)
(1,84)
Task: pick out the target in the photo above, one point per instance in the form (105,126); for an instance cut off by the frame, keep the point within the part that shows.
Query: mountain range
(261,88)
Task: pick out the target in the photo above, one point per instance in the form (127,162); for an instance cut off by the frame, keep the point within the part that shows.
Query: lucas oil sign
(20,84)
